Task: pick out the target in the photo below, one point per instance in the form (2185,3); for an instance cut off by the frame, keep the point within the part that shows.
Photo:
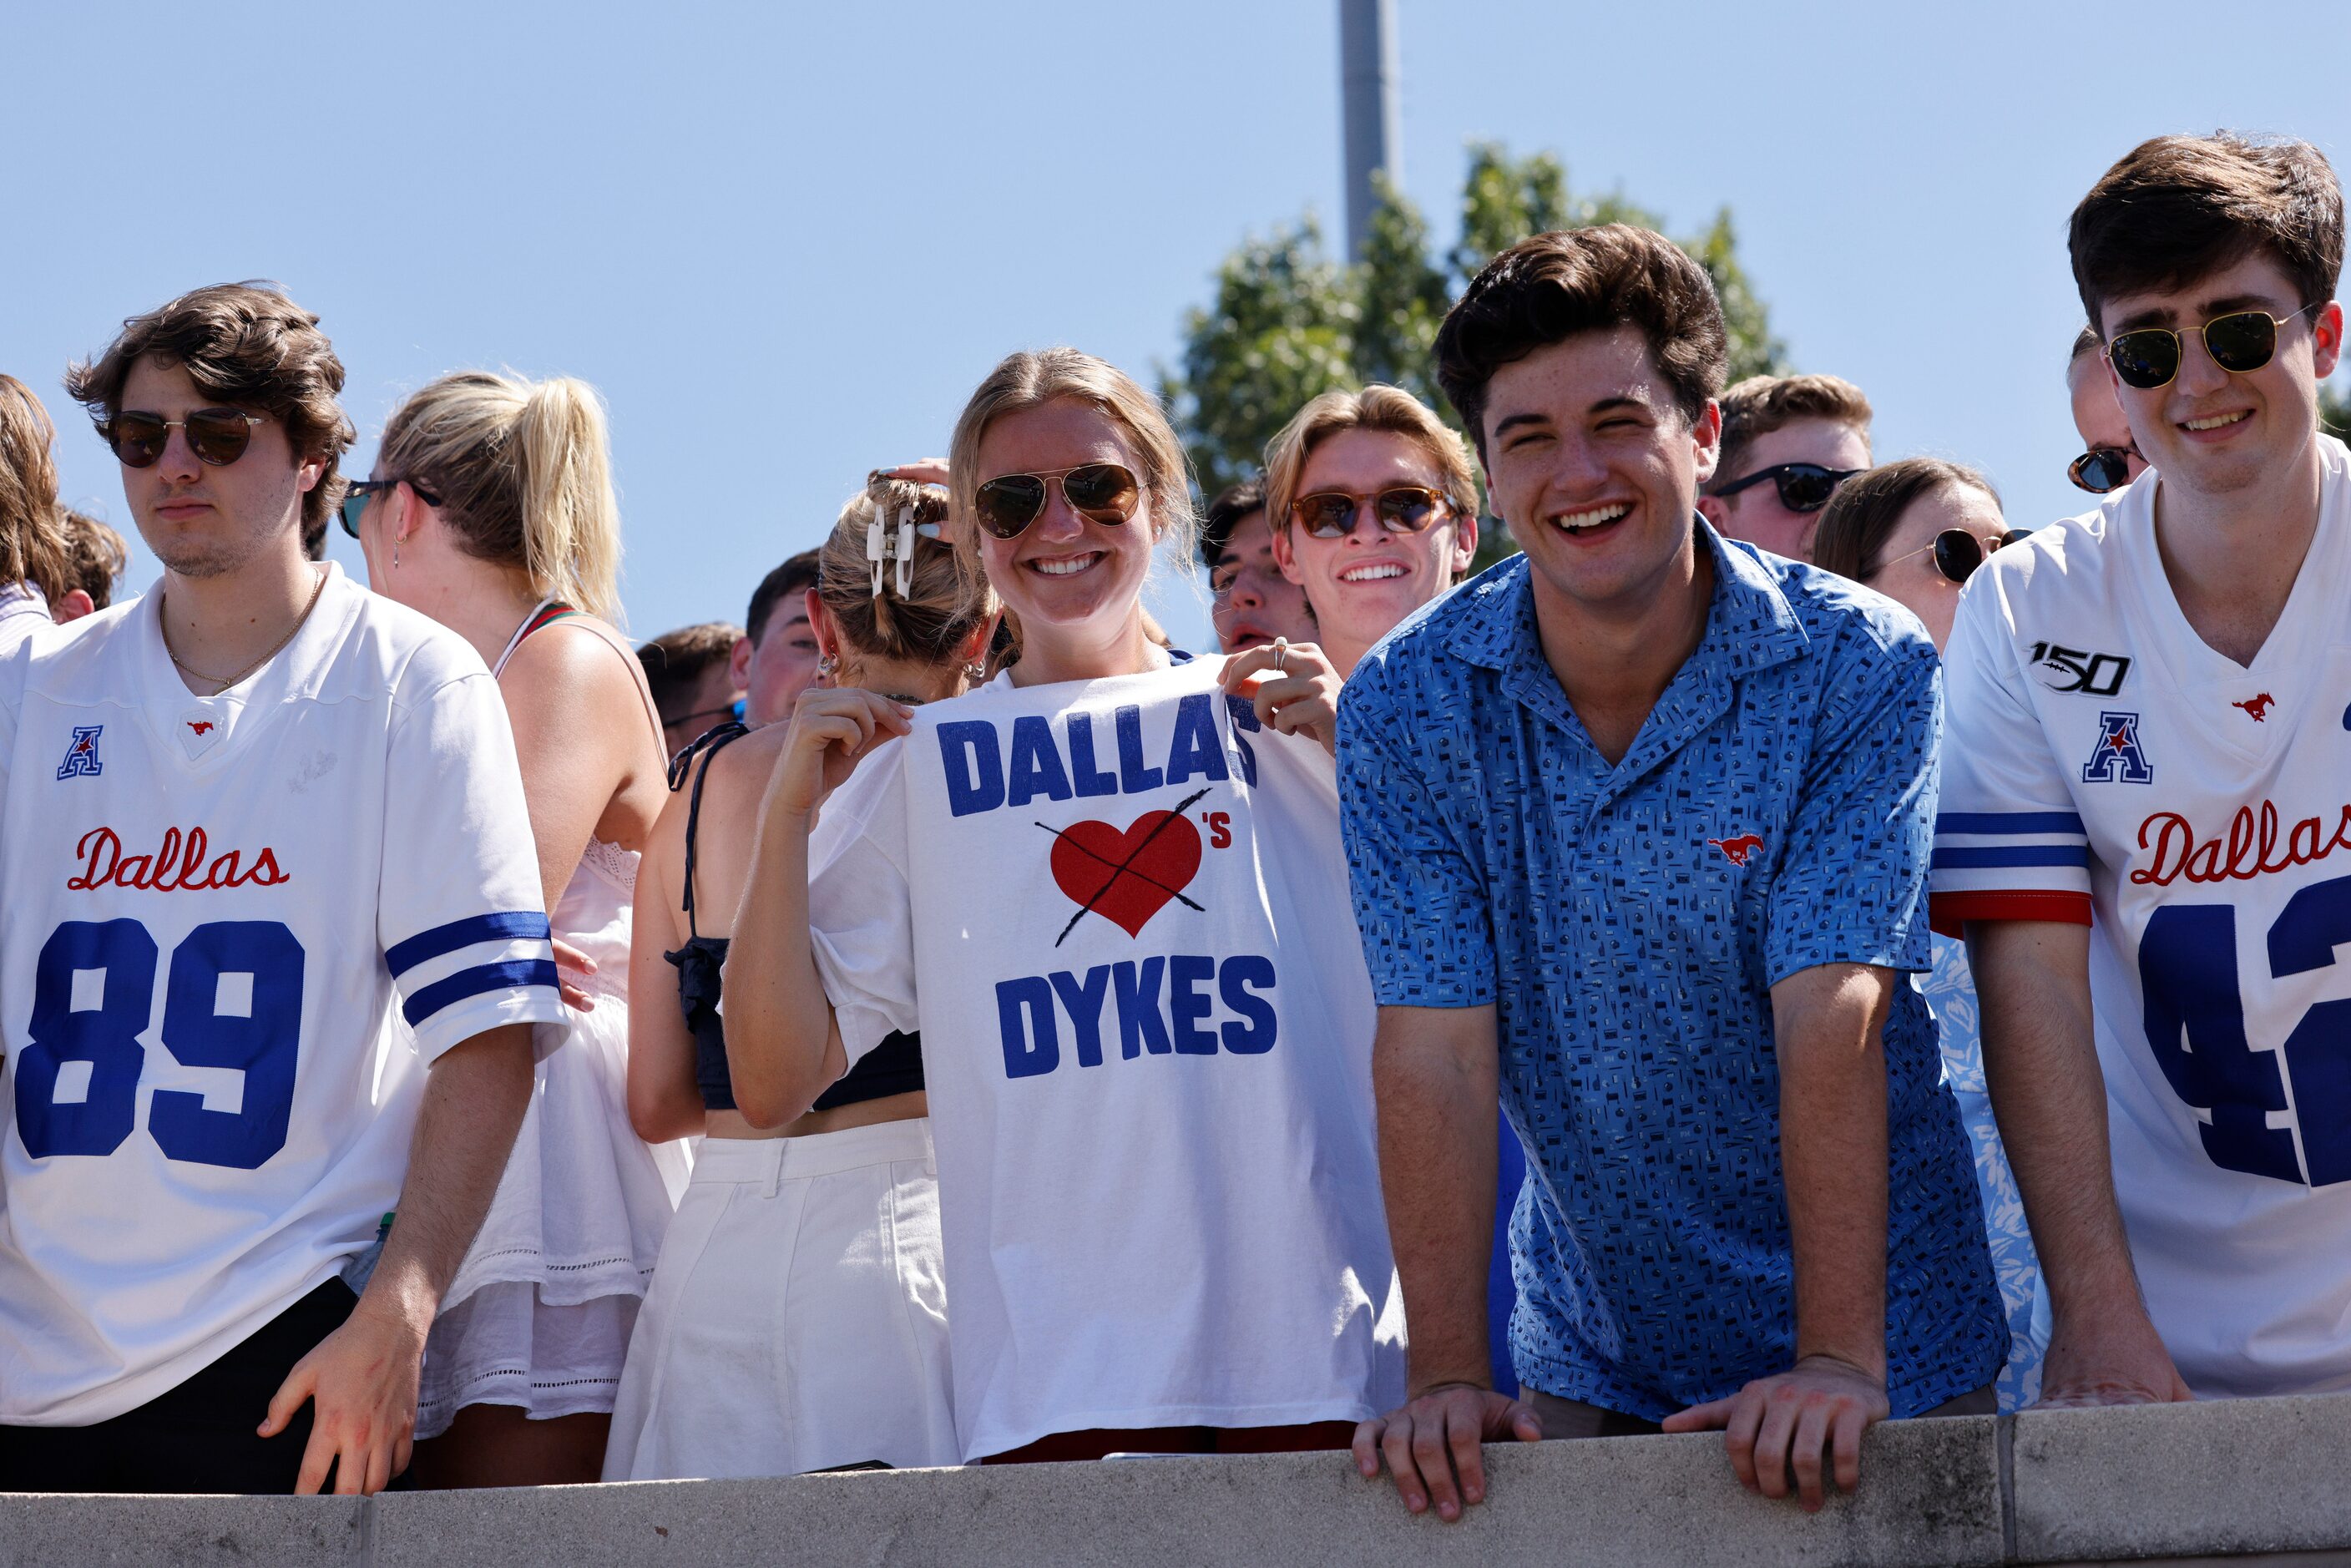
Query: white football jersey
(2103,764)
(213,906)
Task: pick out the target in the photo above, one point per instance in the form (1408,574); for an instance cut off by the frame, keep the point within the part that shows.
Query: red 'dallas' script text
(178,866)
(2252,848)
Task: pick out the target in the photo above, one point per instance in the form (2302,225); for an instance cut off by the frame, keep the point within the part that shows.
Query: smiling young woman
(1102,888)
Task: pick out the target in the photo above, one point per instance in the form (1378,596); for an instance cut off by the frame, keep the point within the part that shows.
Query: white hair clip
(895,546)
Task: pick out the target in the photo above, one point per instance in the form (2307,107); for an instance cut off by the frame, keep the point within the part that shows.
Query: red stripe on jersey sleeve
(1948,913)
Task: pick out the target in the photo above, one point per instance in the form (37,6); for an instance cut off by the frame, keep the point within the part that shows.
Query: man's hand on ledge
(2116,1358)
(1431,1445)
(1784,1422)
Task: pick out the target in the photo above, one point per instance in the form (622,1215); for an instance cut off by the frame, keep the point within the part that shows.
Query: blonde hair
(1376,407)
(32,529)
(523,474)
(943,604)
(1029,379)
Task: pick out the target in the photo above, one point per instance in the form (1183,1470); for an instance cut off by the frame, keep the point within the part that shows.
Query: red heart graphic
(1127,877)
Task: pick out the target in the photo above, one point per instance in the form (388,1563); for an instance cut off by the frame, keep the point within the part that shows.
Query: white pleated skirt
(540,1312)
(797,1319)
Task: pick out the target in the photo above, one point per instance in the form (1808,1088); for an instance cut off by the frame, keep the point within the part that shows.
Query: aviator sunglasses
(2243,340)
(1958,552)
(2101,468)
(1401,510)
(355,499)
(1105,493)
(218,436)
(1803,486)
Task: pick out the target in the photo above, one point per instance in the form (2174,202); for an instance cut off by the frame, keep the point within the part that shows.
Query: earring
(828,666)
(395,552)
(975,674)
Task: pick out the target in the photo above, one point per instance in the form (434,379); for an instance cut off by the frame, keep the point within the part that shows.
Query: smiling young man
(244,818)
(2144,824)
(1375,513)
(1252,603)
(1641,818)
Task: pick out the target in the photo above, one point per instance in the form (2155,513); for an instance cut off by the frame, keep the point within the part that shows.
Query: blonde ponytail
(525,476)
(921,608)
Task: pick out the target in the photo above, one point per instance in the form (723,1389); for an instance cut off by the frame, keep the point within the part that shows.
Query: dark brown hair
(675,659)
(96,557)
(795,577)
(249,345)
(1863,514)
(2178,208)
(1762,404)
(32,531)
(1233,504)
(1552,287)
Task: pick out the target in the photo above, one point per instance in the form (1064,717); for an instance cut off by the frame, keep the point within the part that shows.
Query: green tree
(1289,322)
(2334,413)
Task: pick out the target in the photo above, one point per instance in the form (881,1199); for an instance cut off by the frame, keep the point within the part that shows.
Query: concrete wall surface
(2254,1480)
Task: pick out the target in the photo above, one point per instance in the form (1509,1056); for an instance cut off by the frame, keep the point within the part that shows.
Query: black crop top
(894,1067)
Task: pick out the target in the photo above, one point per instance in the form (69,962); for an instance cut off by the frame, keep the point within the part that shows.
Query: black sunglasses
(1803,486)
(1105,493)
(1401,510)
(2101,468)
(355,499)
(218,436)
(1958,552)
(2243,340)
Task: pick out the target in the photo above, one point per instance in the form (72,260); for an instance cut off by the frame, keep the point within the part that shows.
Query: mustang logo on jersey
(2258,709)
(2118,754)
(81,753)
(177,865)
(1736,850)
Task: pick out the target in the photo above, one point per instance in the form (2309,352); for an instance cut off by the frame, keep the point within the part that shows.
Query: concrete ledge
(2243,1476)
(88,1531)
(2254,1480)
(1931,1496)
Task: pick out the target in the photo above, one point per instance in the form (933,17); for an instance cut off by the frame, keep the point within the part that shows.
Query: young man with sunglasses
(1375,513)
(242,818)
(1641,818)
(1788,442)
(2144,810)
(2110,458)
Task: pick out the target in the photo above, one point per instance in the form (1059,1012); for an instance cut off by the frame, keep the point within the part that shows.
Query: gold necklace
(222,685)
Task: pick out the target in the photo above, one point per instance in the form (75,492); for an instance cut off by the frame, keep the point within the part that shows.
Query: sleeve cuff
(1950,912)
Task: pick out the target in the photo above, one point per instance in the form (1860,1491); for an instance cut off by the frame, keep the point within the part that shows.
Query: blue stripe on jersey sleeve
(473,982)
(516,925)
(2013,855)
(2010,823)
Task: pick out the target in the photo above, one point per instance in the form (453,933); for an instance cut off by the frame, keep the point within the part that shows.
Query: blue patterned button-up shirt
(1628,921)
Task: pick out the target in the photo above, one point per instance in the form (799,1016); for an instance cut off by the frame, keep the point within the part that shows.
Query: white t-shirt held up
(1117,911)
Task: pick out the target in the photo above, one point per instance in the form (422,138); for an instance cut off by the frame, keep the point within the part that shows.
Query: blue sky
(787,240)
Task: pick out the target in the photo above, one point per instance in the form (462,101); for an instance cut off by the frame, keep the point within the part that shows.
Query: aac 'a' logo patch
(2118,754)
(81,753)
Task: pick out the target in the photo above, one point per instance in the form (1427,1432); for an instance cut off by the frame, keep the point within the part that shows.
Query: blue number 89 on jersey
(233,999)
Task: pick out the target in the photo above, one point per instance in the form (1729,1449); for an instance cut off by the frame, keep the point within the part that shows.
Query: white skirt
(797,1321)
(540,1311)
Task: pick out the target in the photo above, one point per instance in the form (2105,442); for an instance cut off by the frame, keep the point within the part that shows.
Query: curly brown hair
(251,347)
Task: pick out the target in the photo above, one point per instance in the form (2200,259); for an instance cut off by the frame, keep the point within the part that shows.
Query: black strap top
(894,1067)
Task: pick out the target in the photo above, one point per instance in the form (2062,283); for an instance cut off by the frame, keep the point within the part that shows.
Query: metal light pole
(1368,79)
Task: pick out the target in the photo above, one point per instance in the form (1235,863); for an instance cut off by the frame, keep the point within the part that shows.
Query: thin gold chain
(224,685)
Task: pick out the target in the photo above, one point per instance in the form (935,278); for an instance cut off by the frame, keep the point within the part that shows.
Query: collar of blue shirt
(1749,627)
